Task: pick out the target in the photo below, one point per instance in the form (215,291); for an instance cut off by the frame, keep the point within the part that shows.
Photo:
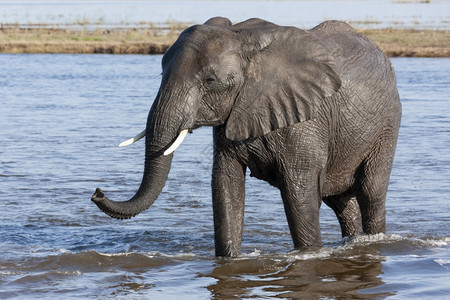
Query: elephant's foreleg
(228,194)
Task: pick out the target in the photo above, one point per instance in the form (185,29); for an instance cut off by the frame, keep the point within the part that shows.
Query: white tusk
(133,140)
(177,142)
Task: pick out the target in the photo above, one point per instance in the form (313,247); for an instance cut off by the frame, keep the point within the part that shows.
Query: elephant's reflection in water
(291,278)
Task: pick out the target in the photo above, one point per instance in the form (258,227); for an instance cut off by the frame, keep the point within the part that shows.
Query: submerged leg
(372,183)
(348,213)
(228,194)
(301,199)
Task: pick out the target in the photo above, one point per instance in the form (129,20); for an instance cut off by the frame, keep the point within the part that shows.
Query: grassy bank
(113,41)
(152,40)
(411,42)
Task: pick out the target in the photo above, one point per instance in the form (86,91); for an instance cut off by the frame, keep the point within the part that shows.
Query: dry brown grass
(113,41)
(155,40)
(411,42)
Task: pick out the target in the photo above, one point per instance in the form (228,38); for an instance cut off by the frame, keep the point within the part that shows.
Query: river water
(62,117)
(301,13)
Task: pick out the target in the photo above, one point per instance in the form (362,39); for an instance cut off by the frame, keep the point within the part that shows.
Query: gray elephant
(315,113)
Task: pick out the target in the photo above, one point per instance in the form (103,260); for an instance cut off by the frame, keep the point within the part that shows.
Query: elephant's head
(252,77)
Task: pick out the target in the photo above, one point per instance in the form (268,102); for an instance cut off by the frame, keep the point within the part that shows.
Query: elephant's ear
(290,75)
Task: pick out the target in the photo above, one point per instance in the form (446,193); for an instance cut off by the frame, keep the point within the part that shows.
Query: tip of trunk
(107,206)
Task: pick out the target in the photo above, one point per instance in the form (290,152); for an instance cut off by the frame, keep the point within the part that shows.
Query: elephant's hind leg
(372,183)
(301,199)
(347,211)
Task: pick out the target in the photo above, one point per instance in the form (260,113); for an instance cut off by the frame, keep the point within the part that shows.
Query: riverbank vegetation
(150,39)
(411,42)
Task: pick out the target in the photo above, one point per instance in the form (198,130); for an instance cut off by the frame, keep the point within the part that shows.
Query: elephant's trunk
(155,175)
(163,128)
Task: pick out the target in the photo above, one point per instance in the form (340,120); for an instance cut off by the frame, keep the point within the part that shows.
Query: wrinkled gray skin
(315,113)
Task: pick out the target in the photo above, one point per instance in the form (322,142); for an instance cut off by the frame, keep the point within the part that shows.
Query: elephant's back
(353,53)
(345,42)
(363,67)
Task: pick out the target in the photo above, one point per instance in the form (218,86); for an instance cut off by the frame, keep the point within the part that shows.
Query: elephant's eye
(210,80)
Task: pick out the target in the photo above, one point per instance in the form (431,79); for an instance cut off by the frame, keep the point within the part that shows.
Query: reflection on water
(354,269)
(62,117)
(284,278)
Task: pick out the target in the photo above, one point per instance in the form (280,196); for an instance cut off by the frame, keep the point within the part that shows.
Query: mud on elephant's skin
(315,113)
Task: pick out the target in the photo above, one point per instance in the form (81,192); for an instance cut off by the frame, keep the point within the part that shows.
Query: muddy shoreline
(395,42)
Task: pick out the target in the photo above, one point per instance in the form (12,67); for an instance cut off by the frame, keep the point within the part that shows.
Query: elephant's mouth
(168,151)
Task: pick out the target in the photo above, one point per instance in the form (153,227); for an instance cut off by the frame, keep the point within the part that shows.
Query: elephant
(315,113)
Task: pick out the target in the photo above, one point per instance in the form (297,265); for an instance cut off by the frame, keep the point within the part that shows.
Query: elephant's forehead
(210,38)
(219,59)
(205,48)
